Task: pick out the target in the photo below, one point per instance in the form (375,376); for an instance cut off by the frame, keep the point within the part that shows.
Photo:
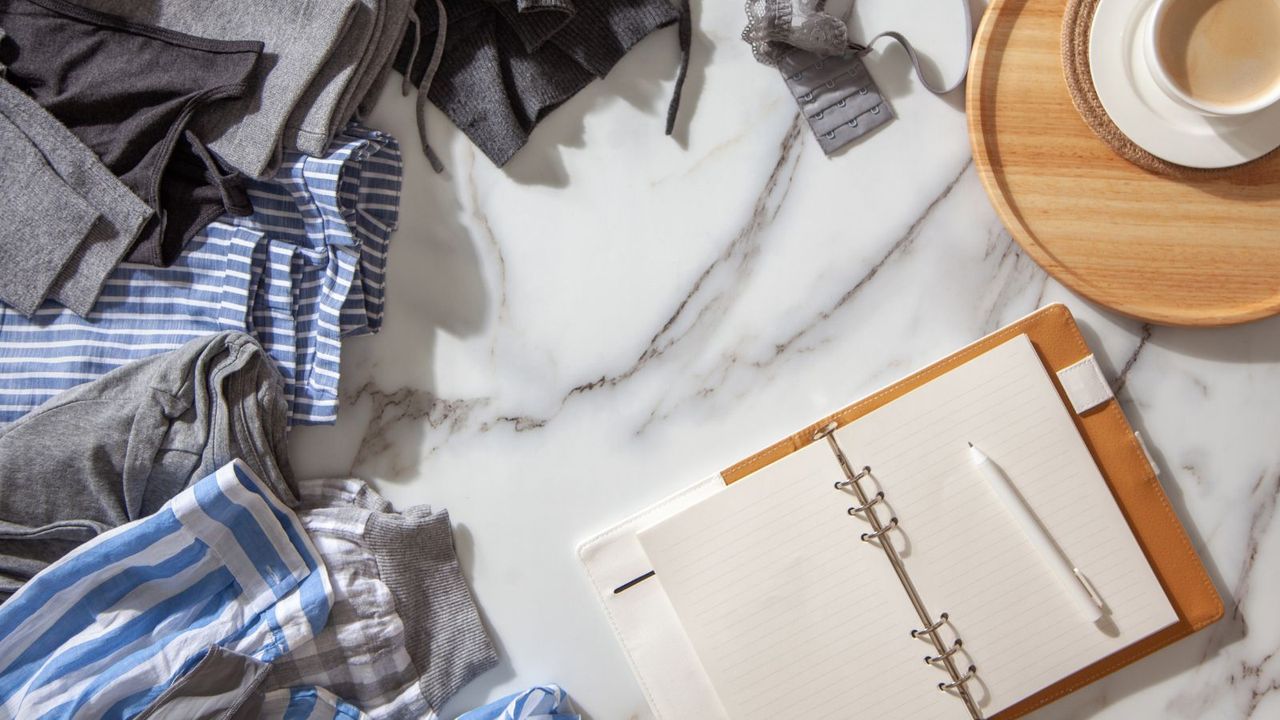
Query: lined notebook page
(972,561)
(792,615)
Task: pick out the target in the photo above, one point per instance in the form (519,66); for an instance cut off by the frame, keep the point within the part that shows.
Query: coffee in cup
(1221,57)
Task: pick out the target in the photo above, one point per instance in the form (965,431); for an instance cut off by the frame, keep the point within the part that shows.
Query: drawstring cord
(406,85)
(686,40)
(685,30)
(230,183)
(437,52)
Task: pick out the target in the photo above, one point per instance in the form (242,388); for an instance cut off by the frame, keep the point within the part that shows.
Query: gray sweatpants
(116,449)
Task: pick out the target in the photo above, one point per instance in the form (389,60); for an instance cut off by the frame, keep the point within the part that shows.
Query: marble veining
(618,314)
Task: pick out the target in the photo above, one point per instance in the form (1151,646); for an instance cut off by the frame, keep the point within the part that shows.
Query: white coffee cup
(1220,57)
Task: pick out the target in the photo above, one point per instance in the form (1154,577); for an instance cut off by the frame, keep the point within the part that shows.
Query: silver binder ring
(865,471)
(868,537)
(867,505)
(973,670)
(825,430)
(955,648)
(942,620)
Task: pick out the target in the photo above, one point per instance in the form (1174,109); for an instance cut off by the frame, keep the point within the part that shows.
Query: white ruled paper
(792,615)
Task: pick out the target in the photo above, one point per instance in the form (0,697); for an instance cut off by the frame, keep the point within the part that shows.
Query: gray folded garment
(298,40)
(68,221)
(356,70)
(116,449)
(316,119)
(504,65)
(384,55)
(352,78)
(222,685)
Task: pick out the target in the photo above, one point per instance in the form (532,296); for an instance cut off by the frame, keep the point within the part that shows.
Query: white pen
(1068,575)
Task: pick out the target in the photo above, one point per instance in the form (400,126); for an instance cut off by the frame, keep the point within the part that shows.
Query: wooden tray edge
(1013,222)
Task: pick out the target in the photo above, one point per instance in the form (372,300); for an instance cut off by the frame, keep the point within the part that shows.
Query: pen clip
(1088,586)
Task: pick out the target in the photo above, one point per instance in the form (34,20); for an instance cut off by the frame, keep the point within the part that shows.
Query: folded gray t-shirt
(116,449)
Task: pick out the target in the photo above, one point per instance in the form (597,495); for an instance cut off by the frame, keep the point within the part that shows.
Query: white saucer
(1153,120)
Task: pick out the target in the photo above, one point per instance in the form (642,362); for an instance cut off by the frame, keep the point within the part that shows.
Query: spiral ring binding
(973,671)
(955,648)
(868,537)
(942,620)
(867,505)
(944,658)
(865,471)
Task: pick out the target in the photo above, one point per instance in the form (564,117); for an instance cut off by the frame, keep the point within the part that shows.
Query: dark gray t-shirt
(128,91)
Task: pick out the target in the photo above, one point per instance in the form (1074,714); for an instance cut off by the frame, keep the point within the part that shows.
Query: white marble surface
(618,314)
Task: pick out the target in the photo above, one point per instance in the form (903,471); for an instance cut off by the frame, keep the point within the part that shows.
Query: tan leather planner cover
(1122,462)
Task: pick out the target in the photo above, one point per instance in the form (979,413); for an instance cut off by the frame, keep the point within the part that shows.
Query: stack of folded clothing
(227,603)
(161,561)
(195,219)
(175,170)
(301,272)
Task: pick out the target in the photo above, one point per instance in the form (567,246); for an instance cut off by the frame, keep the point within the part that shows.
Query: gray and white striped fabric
(404,633)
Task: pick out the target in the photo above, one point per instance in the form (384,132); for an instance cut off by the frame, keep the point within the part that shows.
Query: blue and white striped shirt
(304,271)
(541,702)
(102,632)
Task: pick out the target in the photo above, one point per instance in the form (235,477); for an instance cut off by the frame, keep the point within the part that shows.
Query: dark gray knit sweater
(508,63)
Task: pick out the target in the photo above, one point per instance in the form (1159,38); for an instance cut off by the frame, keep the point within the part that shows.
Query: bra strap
(932,87)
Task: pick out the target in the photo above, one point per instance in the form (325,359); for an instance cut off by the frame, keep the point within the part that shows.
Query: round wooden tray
(1199,251)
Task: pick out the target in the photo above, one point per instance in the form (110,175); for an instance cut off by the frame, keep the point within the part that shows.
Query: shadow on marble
(435,283)
(442,289)
(641,79)
(1255,342)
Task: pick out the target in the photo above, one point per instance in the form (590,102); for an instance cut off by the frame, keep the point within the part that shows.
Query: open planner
(864,567)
